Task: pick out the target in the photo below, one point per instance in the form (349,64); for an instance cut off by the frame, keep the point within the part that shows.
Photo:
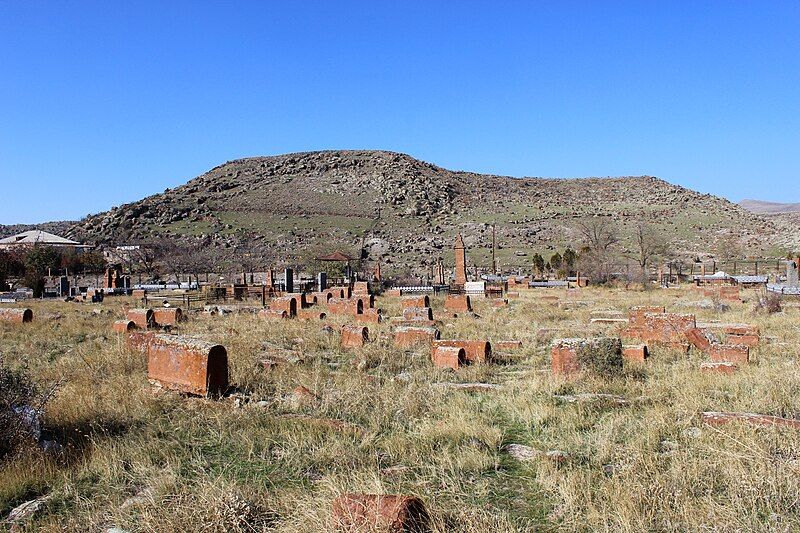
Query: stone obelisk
(461,261)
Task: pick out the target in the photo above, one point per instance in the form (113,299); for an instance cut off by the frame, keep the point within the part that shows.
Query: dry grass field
(265,458)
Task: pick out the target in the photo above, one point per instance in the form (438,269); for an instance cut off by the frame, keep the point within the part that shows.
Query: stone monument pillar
(791,274)
(438,272)
(461,261)
(288,277)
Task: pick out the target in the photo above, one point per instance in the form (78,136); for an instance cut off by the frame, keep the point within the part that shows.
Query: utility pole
(494,248)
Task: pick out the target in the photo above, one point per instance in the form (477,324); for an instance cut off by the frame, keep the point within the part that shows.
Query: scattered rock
(520,452)
(469,387)
(405,377)
(143,497)
(666,448)
(475,442)
(590,397)
(394,470)
(302,398)
(25,512)
(523,453)
(693,432)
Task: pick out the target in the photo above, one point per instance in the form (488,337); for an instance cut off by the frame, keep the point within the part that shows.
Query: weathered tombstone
(415,301)
(475,287)
(406,336)
(660,328)
(167,316)
(63,286)
(290,304)
(791,274)
(700,338)
(379,512)
(187,365)
(143,318)
(636,353)
(438,272)
(448,356)
(732,353)
(124,326)
(288,280)
(361,288)
(354,336)
(311,314)
(370,315)
(743,334)
(458,303)
(17,315)
(417,313)
(476,351)
(347,306)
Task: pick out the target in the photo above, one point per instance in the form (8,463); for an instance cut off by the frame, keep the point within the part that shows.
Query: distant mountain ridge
(763,207)
(58,228)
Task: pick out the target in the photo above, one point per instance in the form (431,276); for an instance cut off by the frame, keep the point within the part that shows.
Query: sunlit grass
(146,461)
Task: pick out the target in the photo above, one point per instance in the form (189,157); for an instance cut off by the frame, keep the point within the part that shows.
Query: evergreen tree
(538,264)
(556,261)
(570,259)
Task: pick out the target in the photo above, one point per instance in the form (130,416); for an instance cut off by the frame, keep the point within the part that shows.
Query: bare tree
(143,259)
(649,247)
(599,237)
(186,257)
(728,248)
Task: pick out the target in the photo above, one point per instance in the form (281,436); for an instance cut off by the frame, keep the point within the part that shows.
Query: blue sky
(103,103)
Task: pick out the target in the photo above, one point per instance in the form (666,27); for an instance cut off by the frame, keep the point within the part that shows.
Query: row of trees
(600,254)
(33,263)
(179,258)
(561,264)
(601,251)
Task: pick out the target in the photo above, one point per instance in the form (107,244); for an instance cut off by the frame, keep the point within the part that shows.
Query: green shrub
(18,415)
(602,356)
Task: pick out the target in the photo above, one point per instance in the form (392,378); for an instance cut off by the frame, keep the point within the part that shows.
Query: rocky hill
(378,204)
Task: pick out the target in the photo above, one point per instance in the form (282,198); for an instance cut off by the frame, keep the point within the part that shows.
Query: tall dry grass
(155,461)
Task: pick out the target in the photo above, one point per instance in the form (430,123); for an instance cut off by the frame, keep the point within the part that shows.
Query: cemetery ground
(536,451)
